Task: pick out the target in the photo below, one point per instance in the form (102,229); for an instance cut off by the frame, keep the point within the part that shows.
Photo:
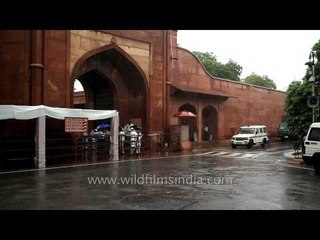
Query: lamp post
(311,64)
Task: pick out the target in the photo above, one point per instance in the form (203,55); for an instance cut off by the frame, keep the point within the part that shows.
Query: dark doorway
(210,119)
(190,121)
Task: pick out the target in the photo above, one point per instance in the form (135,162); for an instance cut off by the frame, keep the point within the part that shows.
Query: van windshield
(246,131)
(284,125)
(314,134)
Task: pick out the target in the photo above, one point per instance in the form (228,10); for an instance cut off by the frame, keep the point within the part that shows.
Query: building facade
(141,73)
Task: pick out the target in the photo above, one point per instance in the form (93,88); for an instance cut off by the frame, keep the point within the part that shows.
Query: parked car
(311,147)
(250,135)
(283,132)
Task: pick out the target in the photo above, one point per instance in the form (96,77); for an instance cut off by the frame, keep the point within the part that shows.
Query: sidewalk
(196,148)
(293,158)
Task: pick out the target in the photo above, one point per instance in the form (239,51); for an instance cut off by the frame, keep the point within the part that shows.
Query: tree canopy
(298,114)
(263,81)
(231,70)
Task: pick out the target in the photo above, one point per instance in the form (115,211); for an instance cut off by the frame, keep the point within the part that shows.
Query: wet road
(222,179)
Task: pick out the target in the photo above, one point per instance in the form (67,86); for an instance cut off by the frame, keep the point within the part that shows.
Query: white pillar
(114,140)
(40,138)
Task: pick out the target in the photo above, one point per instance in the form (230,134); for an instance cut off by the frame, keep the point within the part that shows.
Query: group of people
(130,135)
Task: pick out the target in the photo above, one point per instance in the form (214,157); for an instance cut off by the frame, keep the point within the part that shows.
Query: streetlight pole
(313,89)
(311,64)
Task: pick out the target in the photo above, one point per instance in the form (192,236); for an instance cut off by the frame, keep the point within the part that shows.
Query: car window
(314,134)
(247,131)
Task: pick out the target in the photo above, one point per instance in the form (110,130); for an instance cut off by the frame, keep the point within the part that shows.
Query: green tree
(263,81)
(316,49)
(231,70)
(298,115)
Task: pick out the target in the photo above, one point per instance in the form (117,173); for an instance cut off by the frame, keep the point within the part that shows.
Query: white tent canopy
(22,112)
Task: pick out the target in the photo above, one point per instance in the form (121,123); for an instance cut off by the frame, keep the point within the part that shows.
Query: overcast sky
(279,54)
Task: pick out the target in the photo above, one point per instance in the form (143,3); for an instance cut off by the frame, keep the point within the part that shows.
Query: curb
(295,161)
(292,159)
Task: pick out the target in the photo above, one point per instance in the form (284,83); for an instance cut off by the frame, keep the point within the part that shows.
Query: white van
(250,135)
(311,147)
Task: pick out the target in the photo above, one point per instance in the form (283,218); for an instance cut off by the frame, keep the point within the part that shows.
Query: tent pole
(40,139)
(114,148)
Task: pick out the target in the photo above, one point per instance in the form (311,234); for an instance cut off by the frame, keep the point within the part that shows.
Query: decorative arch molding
(89,54)
(188,107)
(125,75)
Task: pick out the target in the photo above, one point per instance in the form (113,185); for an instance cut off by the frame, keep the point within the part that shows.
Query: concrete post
(40,139)
(114,140)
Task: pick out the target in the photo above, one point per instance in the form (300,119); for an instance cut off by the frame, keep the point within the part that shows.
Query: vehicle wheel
(316,166)
(264,142)
(250,144)
(233,146)
(308,161)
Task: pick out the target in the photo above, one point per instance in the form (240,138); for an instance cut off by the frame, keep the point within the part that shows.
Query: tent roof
(23,112)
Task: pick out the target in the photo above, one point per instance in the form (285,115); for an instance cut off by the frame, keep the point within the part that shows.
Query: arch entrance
(210,118)
(111,79)
(190,121)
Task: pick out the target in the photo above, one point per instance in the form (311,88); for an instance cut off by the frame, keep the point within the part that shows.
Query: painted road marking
(259,154)
(219,153)
(248,155)
(233,154)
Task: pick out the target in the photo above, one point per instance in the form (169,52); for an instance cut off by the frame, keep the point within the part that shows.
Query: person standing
(133,141)
(206,132)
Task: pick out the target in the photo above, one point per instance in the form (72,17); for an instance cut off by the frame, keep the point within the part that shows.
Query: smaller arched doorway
(210,119)
(190,121)
(100,92)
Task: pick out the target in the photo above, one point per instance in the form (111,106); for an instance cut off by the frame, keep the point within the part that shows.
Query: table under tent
(40,114)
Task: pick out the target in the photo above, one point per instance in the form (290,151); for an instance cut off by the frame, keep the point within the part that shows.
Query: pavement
(294,157)
(243,183)
(196,149)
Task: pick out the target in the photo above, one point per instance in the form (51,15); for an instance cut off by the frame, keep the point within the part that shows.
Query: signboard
(75,125)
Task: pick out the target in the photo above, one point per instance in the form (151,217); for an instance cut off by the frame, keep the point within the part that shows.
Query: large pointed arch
(111,70)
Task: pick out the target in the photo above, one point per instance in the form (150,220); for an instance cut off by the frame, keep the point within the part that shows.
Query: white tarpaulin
(22,112)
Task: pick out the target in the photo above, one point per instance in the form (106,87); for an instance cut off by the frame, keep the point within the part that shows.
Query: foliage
(316,49)
(231,70)
(299,116)
(260,81)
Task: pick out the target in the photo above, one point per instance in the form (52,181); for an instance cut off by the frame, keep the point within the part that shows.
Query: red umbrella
(184,114)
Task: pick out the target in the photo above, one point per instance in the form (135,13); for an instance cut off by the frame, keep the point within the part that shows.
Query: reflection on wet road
(222,179)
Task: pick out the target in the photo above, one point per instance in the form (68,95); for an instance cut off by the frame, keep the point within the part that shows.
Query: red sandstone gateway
(143,74)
